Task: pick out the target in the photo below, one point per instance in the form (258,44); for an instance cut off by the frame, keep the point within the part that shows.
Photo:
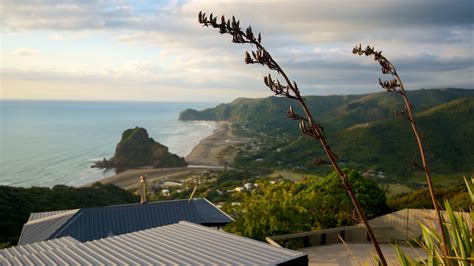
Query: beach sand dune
(214,150)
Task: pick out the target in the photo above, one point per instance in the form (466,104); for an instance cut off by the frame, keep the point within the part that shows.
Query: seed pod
(248,59)
(249,33)
(290,112)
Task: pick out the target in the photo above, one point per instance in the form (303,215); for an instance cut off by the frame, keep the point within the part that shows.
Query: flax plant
(290,90)
(395,85)
(460,247)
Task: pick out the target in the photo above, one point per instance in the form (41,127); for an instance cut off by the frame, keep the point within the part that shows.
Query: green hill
(362,129)
(457,196)
(334,112)
(390,145)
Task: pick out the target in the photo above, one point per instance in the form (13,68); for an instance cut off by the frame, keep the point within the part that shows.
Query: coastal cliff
(136,149)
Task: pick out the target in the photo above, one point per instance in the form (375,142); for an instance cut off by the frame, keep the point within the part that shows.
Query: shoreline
(211,153)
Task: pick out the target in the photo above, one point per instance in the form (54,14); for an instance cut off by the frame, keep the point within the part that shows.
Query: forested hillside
(17,203)
(362,129)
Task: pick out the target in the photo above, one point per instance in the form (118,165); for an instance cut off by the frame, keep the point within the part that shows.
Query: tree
(285,207)
(334,208)
(272,209)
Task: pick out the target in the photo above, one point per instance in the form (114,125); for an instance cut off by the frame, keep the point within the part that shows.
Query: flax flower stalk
(290,90)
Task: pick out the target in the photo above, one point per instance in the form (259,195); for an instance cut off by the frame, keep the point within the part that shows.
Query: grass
(393,189)
(292,176)
(441,180)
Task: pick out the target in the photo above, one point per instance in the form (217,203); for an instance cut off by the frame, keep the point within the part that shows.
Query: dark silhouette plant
(290,90)
(395,85)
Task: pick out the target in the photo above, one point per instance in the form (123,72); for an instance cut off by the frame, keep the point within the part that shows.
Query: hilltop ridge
(362,129)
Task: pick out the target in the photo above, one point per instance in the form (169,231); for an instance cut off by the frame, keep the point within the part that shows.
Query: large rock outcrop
(136,149)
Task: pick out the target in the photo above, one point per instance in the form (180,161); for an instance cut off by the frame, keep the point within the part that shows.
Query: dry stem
(289,90)
(396,85)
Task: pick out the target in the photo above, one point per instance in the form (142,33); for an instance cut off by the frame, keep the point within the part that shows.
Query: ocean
(44,143)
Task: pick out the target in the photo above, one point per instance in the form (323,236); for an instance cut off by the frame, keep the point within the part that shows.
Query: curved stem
(390,69)
(344,180)
(332,158)
(316,130)
(424,162)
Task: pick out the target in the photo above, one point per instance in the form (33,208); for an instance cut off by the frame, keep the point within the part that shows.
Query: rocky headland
(137,149)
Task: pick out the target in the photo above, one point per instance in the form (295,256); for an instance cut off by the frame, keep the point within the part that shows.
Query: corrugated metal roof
(183,243)
(206,209)
(95,223)
(37,247)
(40,229)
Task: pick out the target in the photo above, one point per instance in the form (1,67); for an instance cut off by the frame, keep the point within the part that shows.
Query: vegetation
(136,148)
(216,187)
(457,195)
(363,131)
(386,144)
(283,206)
(460,242)
(337,112)
(17,203)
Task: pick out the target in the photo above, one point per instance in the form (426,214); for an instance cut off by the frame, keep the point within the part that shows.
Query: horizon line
(203,102)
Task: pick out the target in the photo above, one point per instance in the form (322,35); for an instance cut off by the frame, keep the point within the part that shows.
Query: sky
(157,51)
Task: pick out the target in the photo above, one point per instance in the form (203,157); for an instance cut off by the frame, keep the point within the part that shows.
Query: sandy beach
(214,150)
(211,153)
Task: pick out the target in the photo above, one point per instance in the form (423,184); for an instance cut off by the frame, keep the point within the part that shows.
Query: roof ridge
(137,204)
(66,224)
(39,220)
(230,217)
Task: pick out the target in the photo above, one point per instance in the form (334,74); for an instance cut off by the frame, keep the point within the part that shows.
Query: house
(248,186)
(239,189)
(172,184)
(88,224)
(181,243)
(165,192)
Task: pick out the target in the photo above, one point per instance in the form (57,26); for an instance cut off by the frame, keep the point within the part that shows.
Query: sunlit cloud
(155,46)
(26,52)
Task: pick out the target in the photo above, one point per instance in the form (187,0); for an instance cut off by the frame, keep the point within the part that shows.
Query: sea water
(44,143)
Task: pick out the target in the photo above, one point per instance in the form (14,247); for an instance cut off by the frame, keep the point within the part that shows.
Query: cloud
(26,52)
(136,70)
(55,37)
(311,39)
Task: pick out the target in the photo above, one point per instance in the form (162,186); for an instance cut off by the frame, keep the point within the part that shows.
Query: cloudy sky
(157,51)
